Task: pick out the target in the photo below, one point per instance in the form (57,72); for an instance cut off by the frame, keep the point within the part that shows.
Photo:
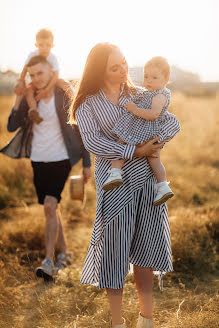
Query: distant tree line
(180,80)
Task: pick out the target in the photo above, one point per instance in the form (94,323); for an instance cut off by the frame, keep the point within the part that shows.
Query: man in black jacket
(53,147)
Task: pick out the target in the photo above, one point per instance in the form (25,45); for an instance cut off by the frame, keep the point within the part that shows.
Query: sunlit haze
(186,32)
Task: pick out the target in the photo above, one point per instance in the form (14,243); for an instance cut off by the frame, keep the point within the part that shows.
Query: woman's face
(116,68)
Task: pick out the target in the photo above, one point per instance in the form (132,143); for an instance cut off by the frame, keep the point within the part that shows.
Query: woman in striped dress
(128,228)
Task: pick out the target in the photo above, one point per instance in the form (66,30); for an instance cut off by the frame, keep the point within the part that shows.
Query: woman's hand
(148,149)
(131,107)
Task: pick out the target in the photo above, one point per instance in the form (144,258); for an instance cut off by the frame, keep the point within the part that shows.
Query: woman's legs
(144,284)
(115,302)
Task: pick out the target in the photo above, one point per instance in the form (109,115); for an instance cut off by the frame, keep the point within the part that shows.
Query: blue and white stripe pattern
(128,228)
(138,129)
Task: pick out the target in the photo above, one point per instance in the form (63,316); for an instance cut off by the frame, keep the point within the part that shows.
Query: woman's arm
(158,102)
(96,143)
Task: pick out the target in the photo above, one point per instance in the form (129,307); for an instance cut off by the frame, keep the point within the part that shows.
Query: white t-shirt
(51,59)
(48,143)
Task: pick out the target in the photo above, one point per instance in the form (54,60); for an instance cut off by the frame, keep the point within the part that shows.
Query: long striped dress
(128,228)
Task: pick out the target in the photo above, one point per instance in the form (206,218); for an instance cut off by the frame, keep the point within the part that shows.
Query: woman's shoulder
(87,103)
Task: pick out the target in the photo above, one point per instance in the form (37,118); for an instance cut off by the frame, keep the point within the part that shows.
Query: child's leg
(66,86)
(30,97)
(115,178)
(33,113)
(163,191)
(117,164)
(157,167)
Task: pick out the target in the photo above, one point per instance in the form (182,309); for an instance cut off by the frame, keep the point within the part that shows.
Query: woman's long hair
(93,76)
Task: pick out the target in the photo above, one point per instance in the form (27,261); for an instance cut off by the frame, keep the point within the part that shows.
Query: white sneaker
(163,194)
(123,325)
(114,180)
(144,322)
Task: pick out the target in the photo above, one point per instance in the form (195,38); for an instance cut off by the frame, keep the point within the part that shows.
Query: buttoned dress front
(128,228)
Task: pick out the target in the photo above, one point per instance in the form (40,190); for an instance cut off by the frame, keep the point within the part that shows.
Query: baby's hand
(131,107)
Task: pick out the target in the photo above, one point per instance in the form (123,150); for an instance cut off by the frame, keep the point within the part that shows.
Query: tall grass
(189,298)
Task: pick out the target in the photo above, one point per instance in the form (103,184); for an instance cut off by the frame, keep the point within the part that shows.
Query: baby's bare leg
(30,97)
(118,164)
(66,86)
(157,167)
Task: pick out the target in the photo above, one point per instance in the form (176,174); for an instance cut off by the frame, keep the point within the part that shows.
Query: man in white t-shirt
(44,44)
(53,147)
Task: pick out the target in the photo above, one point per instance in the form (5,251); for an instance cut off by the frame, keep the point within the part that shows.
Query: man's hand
(86,173)
(131,107)
(19,88)
(41,94)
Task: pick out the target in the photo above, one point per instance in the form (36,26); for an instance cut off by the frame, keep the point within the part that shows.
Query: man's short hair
(44,34)
(37,60)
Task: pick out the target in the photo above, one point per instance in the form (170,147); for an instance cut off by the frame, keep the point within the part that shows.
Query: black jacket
(20,145)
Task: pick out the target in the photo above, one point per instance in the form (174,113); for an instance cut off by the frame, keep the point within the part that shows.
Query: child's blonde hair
(161,63)
(44,34)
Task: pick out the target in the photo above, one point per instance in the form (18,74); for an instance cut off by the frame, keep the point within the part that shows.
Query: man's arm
(86,164)
(18,114)
(86,161)
(158,102)
(86,158)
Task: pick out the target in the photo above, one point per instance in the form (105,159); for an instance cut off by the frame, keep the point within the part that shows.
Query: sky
(185,32)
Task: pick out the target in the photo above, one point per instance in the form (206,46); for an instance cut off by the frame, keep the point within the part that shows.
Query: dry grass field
(189,299)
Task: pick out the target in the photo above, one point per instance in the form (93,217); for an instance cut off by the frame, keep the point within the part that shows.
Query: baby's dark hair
(161,63)
(44,34)
(37,60)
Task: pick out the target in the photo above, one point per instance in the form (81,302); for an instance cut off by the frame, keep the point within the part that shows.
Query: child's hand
(19,88)
(131,107)
(41,94)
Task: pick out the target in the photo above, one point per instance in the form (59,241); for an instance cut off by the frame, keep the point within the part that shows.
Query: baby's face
(154,79)
(44,46)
